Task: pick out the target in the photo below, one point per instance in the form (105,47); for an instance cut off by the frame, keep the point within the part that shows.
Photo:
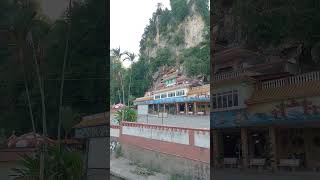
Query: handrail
(293,80)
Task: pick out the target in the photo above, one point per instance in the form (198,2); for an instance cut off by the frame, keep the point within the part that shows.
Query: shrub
(128,115)
(119,152)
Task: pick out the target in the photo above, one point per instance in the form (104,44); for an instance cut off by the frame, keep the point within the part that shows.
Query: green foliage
(165,19)
(179,9)
(274,21)
(86,66)
(69,118)
(163,57)
(128,114)
(63,165)
(196,60)
(203,9)
(119,152)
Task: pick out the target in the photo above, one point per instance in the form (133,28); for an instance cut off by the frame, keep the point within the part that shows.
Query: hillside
(177,38)
(285,29)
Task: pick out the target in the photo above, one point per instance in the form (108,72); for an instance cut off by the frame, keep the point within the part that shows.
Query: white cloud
(128,18)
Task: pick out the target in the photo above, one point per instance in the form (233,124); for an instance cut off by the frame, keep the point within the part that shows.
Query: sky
(128,18)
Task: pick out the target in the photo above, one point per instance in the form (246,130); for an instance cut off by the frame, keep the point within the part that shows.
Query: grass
(143,170)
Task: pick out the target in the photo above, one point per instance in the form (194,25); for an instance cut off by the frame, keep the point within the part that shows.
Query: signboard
(293,112)
(143,109)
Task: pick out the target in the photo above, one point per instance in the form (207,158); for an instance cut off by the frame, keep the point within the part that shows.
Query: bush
(119,152)
(62,165)
(128,115)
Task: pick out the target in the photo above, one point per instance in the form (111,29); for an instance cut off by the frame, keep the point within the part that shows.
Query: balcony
(232,75)
(293,80)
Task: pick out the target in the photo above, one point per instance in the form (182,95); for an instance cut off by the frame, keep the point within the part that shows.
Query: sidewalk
(241,175)
(122,168)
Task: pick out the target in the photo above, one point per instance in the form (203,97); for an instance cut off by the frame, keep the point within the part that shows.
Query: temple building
(174,93)
(264,113)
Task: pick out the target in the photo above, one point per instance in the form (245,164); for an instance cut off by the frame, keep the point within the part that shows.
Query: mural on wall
(291,111)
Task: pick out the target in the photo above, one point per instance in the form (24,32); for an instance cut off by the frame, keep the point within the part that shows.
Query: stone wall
(167,163)
(173,150)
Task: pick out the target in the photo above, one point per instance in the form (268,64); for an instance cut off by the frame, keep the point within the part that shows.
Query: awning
(204,98)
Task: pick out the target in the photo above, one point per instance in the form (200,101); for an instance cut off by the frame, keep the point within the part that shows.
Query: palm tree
(66,52)
(20,26)
(130,57)
(117,54)
(23,21)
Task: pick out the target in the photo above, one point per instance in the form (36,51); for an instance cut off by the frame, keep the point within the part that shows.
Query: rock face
(230,33)
(191,30)
(193,27)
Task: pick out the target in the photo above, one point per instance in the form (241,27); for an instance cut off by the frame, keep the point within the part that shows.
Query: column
(307,135)
(164,108)
(158,108)
(195,108)
(152,108)
(177,108)
(215,149)
(244,147)
(186,107)
(273,144)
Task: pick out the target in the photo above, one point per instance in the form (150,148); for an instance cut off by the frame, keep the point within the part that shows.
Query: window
(164,95)
(225,99)
(157,97)
(171,94)
(214,101)
(230,99)
(235,98)
(180,93)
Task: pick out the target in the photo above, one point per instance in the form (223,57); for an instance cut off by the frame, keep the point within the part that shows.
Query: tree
(130,57)
(66,53)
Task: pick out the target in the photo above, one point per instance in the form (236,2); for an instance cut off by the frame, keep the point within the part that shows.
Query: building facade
(174,93)
(264,112)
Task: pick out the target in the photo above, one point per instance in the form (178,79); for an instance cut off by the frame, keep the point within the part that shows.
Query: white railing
(294,80)
(228,75)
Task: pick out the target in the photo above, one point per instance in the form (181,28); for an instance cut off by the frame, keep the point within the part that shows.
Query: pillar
(215,150)
(186,107)
(195,107)
(158,108)
(152,108)
(164,108)
(273,144)
(244,147)
(307,135)
(177,108)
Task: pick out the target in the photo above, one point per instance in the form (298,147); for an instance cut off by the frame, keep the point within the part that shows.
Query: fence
(183,142)
(293,80)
